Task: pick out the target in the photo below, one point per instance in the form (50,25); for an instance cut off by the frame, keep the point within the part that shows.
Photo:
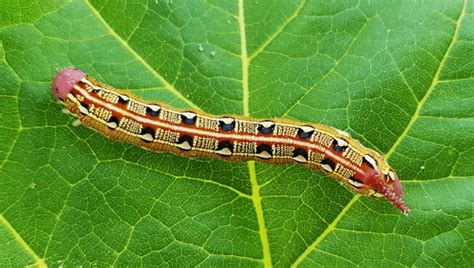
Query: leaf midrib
(256,199)
(245,103)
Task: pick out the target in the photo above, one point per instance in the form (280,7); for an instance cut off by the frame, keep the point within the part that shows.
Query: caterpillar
(121,116)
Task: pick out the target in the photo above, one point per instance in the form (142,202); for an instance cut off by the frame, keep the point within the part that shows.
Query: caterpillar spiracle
(121,116)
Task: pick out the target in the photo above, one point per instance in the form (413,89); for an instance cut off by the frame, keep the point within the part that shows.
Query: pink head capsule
(65,80)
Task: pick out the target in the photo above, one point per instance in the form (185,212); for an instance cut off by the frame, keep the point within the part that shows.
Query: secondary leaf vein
(435,81)
(328,230)
(278,31)
(38,261)
(331,227)
(160,78)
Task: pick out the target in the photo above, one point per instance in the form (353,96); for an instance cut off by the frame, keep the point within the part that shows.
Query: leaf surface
(398,75)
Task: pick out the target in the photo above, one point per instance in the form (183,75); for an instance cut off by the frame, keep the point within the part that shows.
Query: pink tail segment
(397,201)
(394,196)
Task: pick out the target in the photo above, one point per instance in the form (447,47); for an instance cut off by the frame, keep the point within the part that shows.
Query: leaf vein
(168,86)
(38,261)
(332,70)
(331,227)
(278,31)
(256,199)
(434,83)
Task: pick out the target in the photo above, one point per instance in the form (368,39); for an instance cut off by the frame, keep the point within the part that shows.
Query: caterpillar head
(378,179)
(64,82)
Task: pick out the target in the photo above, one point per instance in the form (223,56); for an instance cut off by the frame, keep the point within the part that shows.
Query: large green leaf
(398,75)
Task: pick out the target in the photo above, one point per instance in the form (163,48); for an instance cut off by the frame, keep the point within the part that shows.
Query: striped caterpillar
(154,126)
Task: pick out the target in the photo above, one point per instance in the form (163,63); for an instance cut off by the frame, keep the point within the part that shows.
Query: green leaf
(398,75)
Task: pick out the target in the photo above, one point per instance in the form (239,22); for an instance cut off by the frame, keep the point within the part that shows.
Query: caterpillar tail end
(65,80)
(395,197)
